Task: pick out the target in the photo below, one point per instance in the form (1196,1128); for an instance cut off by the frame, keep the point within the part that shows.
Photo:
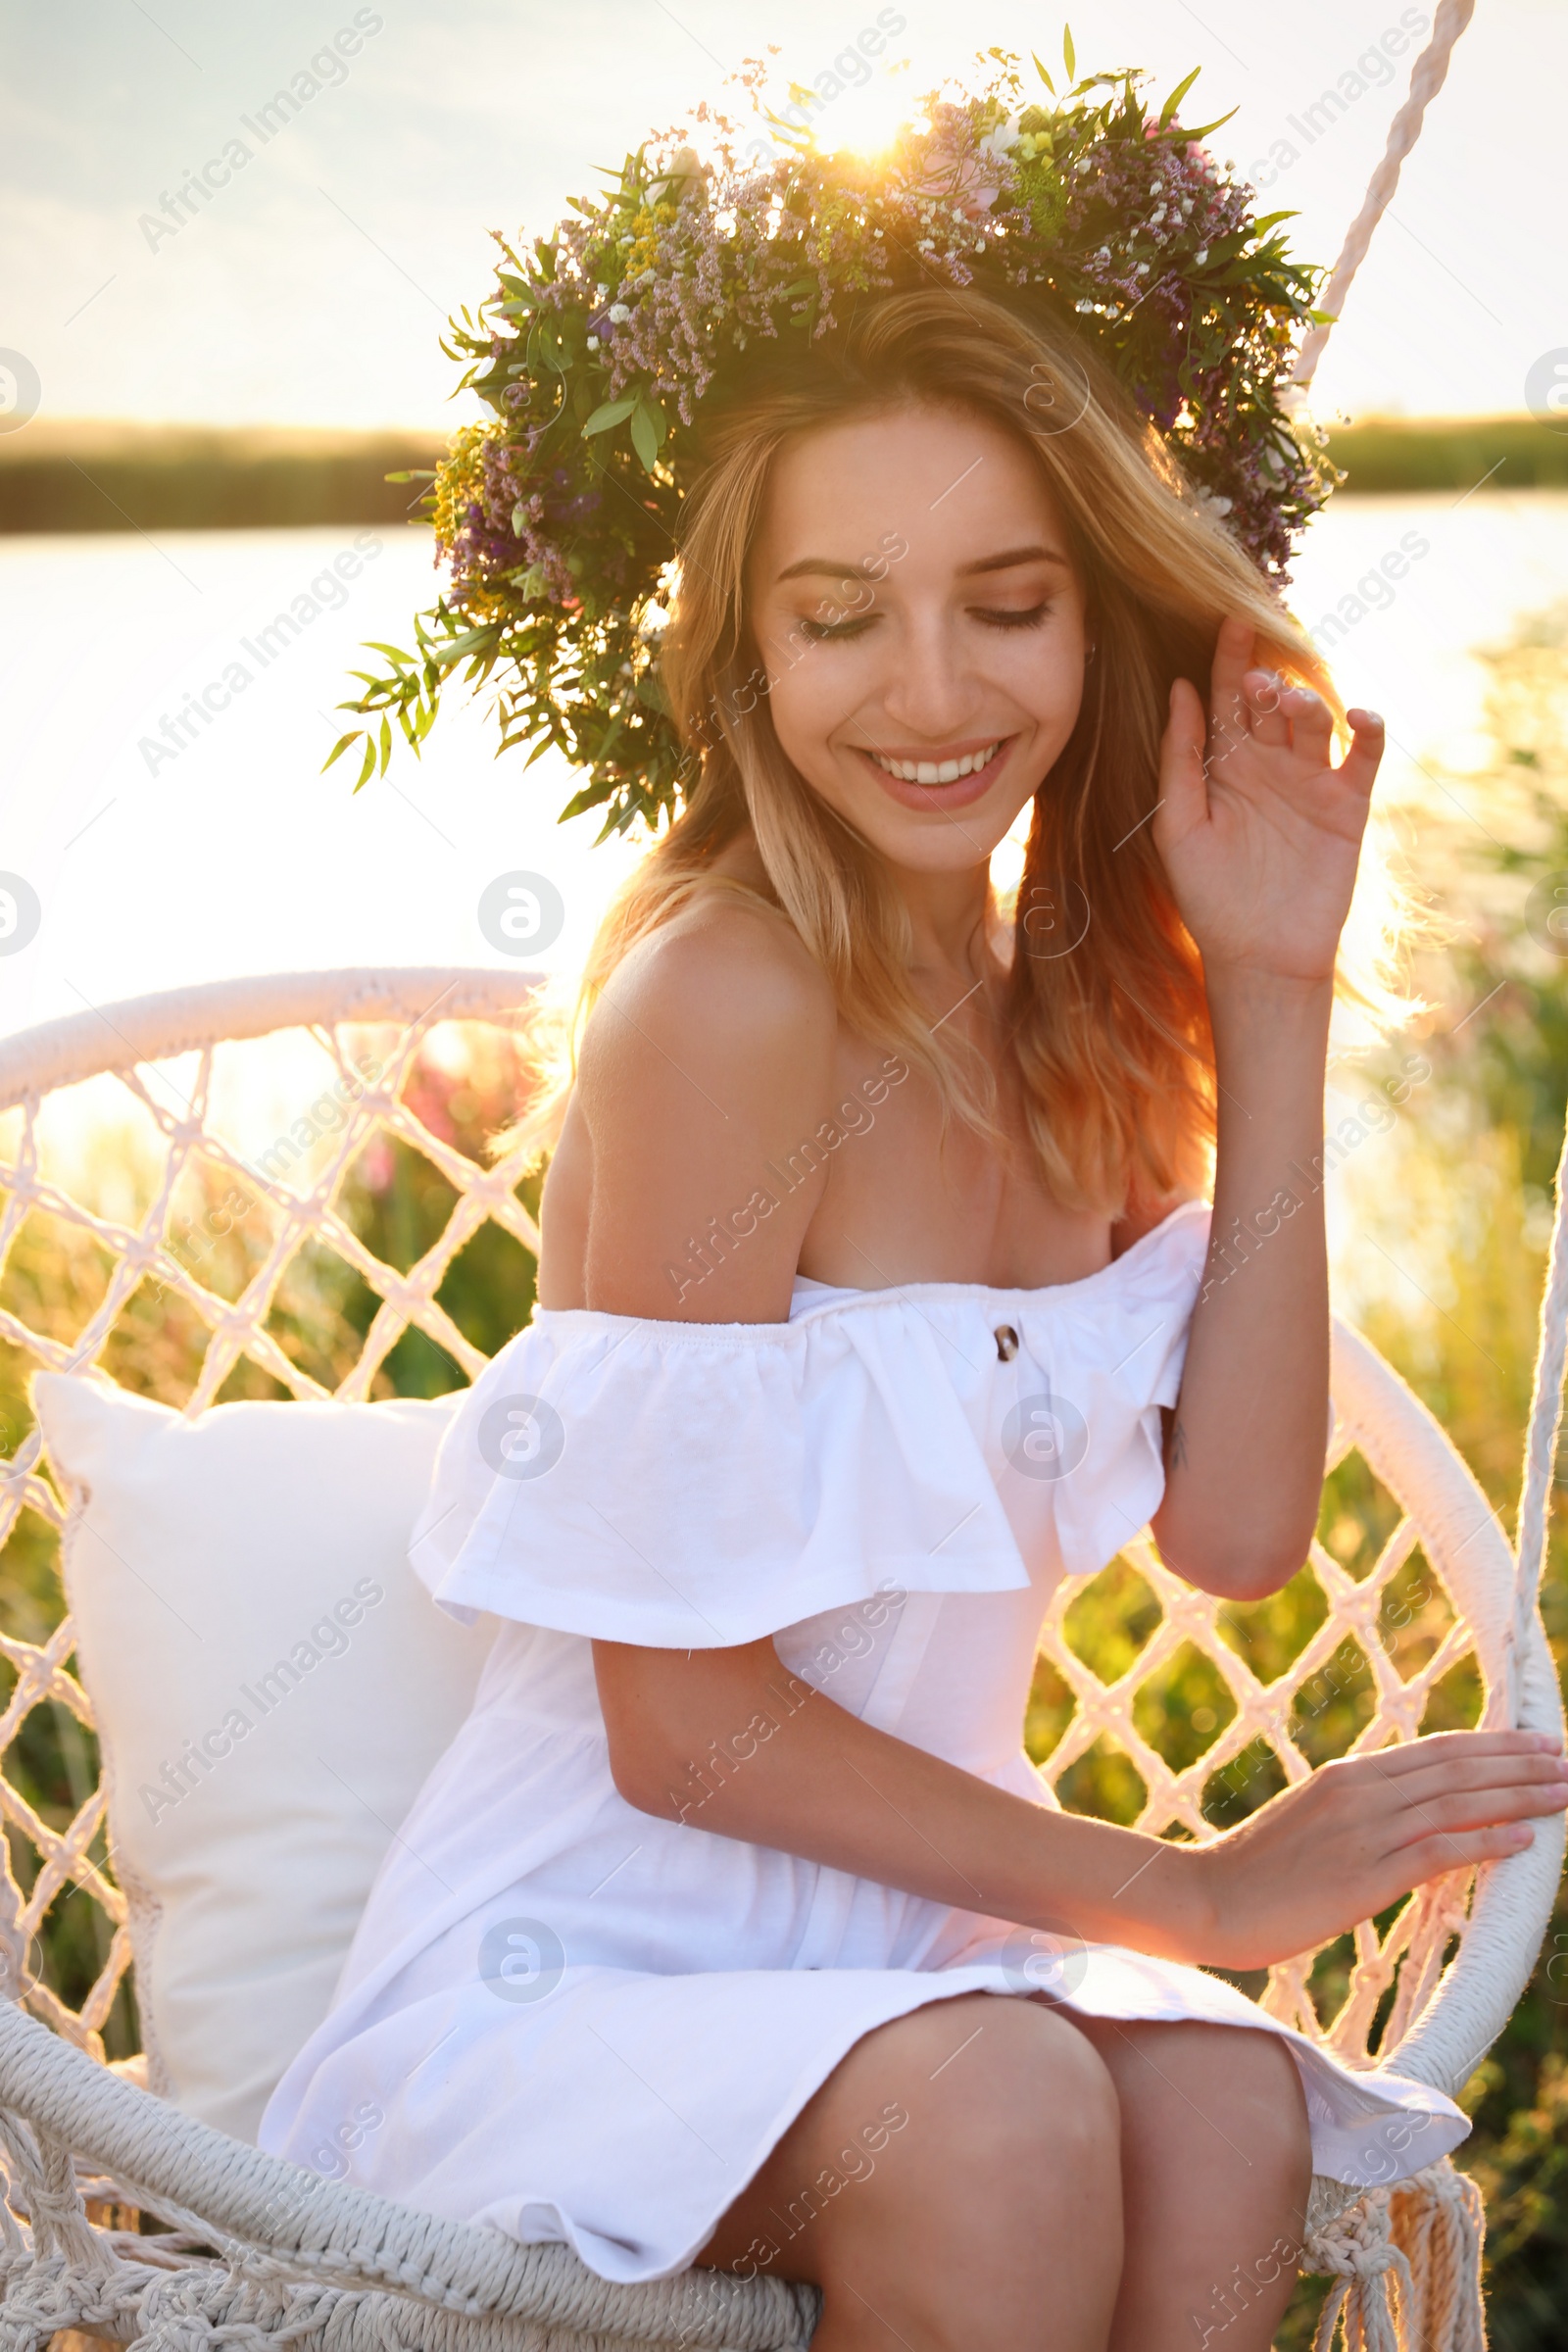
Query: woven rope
(311,2262)
(1545,1422)
(1427,77)
(1407,2267)
(274,2223)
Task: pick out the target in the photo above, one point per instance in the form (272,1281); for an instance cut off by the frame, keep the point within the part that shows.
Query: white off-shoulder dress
(574,2021)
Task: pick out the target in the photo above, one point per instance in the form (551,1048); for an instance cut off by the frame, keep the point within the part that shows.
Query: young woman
(877,1295)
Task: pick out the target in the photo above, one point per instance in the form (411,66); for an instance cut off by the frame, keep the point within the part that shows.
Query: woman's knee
(1001,2200)
(1266,2077)
(1238,2090)
(980,2130)
(1258,2080)
(1007,2102)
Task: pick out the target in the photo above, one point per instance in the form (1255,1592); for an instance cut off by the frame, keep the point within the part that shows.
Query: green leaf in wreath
(610,412)
(470,641)
(646,436)
(1167,112)
(341,746)
(545,347)
(1202,130)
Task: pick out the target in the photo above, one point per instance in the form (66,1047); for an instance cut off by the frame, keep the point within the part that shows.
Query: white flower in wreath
(1000,142)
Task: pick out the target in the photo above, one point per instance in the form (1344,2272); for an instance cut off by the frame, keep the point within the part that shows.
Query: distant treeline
(122,477)
(118,478)
(1451,453)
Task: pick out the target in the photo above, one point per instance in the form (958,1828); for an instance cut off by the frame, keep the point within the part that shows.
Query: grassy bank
(116,477)
(122,478)
(1450,453)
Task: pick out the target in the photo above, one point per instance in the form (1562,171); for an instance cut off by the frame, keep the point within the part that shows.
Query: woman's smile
(946,776)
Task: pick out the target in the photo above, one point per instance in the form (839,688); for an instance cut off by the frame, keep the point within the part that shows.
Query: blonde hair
(1110,1042)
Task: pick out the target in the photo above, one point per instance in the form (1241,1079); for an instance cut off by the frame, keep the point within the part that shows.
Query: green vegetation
(119,477)
(1465,1203)
(173,477)
(1443,453)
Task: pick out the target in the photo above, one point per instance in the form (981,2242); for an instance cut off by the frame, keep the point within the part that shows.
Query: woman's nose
(931,693)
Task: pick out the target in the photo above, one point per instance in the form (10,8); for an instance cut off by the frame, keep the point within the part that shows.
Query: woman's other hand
(1258,830)
(1365,1829)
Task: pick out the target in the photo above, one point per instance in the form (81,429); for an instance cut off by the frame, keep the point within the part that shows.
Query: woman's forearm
(730,1741)
(1245,1450)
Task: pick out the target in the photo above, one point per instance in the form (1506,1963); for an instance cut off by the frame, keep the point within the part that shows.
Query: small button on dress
(843,1484)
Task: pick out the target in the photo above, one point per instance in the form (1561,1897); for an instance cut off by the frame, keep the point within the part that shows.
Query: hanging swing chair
(253,2249)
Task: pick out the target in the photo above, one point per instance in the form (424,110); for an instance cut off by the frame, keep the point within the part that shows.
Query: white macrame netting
(1437,1986)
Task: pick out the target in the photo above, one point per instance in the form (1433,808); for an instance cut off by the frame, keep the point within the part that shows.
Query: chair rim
(1403,1443)
(105,1039)
(357,2239)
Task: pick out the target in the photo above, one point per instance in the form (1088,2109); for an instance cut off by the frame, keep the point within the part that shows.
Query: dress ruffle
(697,1486)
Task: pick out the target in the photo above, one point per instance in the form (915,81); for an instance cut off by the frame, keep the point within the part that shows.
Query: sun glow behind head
(866,122)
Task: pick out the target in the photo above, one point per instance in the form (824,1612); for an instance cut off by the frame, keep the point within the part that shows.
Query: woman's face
(921,625)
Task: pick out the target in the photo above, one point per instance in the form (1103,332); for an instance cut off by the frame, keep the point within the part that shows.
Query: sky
(314,288)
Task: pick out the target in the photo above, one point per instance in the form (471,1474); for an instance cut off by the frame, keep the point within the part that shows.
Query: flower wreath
(556,517)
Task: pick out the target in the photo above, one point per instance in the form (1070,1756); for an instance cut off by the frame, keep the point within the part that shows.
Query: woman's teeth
(937,772)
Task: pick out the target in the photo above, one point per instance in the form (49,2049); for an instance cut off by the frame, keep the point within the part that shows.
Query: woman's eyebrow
(1011,557)
(828,569)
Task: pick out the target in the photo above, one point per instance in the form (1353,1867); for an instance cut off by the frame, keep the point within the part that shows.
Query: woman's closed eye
(826,632)
(1030,616)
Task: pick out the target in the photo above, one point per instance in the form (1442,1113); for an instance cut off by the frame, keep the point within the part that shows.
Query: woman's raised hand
(1258,830)
(1362,1831)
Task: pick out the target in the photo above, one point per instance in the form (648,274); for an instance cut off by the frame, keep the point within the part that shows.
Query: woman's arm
(714,1056)
(728,1742)
(1246,1444)
(1261,836)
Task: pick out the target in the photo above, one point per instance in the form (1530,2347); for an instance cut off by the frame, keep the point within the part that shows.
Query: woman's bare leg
(954,2187)
(1216,2165)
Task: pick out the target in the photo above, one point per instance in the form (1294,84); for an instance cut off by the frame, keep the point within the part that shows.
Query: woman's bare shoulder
(728,976)
(709,1054)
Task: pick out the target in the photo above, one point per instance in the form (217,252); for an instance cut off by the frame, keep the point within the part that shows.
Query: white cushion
(271,1683)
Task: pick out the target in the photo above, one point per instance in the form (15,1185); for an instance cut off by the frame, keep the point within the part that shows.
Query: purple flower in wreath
(563,501)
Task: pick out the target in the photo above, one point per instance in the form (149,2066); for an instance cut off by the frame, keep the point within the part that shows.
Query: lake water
(236,856)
